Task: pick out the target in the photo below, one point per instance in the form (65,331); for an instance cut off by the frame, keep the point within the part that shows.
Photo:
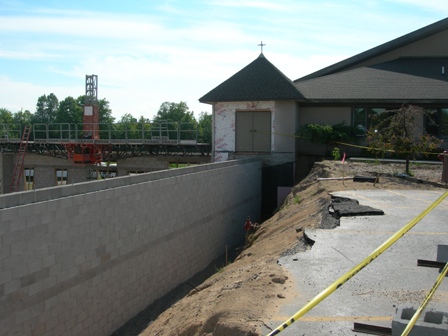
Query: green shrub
(336,154)
(324,134)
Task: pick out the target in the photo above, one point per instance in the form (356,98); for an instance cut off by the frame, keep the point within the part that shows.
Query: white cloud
(17,95)
(144,59)
(88,26)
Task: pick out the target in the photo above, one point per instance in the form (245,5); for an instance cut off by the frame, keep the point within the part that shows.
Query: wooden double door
(253,131)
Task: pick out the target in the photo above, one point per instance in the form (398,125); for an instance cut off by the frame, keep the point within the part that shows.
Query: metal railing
(145,133)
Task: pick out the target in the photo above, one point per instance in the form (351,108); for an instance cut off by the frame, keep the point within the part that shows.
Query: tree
(205,128)
(174,117)
(69,111)
(127,118)
(126,128)
(23,117)
(6,116)
(105,112)
(46,109)
(174,112)
(398,131)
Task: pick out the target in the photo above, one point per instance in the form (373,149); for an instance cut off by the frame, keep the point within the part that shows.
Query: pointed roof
(404,40)
(260,80)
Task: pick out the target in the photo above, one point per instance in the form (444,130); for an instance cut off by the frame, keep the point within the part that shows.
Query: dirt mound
(240,297)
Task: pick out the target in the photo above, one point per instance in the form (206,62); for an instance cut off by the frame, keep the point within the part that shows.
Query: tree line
(49,110)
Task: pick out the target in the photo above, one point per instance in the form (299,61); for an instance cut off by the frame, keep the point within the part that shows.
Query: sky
(146,52)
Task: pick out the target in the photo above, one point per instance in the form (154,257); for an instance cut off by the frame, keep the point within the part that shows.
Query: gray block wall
(146,163)
(83,259)
(45,169)
(430,322)
(6,170)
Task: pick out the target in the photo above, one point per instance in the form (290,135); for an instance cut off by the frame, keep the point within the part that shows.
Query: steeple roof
(260,80)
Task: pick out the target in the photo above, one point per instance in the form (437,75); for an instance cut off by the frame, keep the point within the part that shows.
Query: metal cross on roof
(261,45)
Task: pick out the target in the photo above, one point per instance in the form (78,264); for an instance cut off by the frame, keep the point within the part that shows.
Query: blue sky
(146,52)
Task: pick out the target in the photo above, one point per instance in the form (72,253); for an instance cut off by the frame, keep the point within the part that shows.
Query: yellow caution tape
(428,297)
(346,144)
(347,276)
(388,150)
(351,145)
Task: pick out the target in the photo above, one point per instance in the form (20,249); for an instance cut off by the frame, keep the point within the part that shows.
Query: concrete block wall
(82,259)
(6,169)
(431,322)
(45,170)
(136,164)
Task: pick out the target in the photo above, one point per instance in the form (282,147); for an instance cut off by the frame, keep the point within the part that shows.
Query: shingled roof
(400,80)
(260,80)
(407,39)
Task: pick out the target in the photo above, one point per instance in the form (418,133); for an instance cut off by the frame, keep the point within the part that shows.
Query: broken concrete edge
(331,219)
(309,235)
(348,207)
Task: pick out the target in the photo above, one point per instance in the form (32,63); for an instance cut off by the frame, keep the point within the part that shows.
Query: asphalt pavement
(372,295)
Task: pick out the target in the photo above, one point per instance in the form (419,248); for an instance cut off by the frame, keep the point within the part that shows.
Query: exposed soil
(239,298)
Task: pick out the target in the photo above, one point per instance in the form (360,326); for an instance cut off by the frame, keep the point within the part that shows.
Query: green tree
(69,111)
(6,116)
(144,120)
(126,128)
(23,117)
(105,112)
(9,127)
(46,109)
(172,117)
(127,118)
(174,112)
(205,128)
(398,131)
(144,125)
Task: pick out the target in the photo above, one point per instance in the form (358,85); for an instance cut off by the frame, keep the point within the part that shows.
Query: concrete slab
(373,295)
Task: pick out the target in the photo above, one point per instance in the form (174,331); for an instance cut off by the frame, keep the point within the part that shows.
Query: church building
(257,111)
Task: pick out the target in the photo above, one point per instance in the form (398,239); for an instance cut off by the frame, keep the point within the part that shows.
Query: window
(364,118)
(61,176)
(29,179)
(443,123)
(436,122)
